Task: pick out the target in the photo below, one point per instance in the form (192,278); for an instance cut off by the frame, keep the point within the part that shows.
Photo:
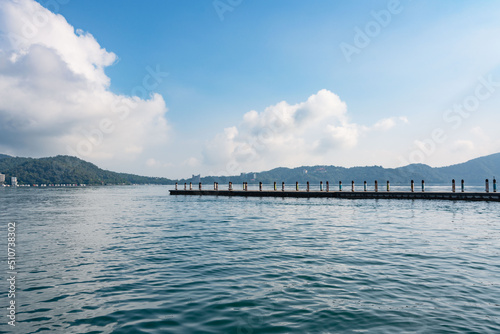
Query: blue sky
(387,104)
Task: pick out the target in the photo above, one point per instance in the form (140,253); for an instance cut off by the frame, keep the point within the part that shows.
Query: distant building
(196,178)
(2,178)
(251,176)
(13,181)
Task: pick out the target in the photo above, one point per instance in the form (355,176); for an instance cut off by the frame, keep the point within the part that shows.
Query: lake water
(132,259)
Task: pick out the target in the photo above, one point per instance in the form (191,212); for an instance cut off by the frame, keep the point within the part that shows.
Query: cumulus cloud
(191,162)
(55,96)
(154,164)
(462,146)
(309,132)
(478,132)
(388,123)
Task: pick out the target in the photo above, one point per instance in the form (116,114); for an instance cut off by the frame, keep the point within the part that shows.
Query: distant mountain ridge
(474,171)
(70,170)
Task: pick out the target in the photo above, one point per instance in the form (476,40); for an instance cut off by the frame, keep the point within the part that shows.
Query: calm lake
(133,259)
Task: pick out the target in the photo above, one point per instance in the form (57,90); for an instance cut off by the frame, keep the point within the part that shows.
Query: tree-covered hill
(67,170)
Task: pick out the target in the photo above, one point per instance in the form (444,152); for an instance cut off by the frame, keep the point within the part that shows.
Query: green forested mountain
(64,170)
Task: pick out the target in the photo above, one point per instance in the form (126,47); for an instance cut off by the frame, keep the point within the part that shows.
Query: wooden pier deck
(455,196)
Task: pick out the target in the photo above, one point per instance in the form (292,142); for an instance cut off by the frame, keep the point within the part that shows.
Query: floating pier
(352,194)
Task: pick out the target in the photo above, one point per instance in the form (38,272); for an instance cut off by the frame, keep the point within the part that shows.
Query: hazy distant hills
(473,172)
(66,169)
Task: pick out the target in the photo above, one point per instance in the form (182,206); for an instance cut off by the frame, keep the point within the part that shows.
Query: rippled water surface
(136,260)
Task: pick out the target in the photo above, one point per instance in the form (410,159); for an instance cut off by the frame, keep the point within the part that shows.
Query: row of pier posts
(487,186)
(462,185)
(365,187)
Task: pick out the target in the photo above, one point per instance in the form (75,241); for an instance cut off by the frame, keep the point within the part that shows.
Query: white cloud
(134,149)
(152,163)
(27,23)
(311,132)
(479,133)
(192,162)
(55,96)
(388,123)
(462,146)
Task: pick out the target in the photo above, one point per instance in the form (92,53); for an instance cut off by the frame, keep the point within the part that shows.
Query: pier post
(190,186)
(423,185)
(340,185)
(463,185)
(307,189)
(364,186)
(185,186)
(230,186)
(412,186)
(282,186)
(296,186)
(215,185)
(352,185)
(453,185)
(320,185)
(494,185)
(487,186)
(275,186)
(388,186)
(260,186)
(376,185)
(327,186)
(199,186)
(175,185)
